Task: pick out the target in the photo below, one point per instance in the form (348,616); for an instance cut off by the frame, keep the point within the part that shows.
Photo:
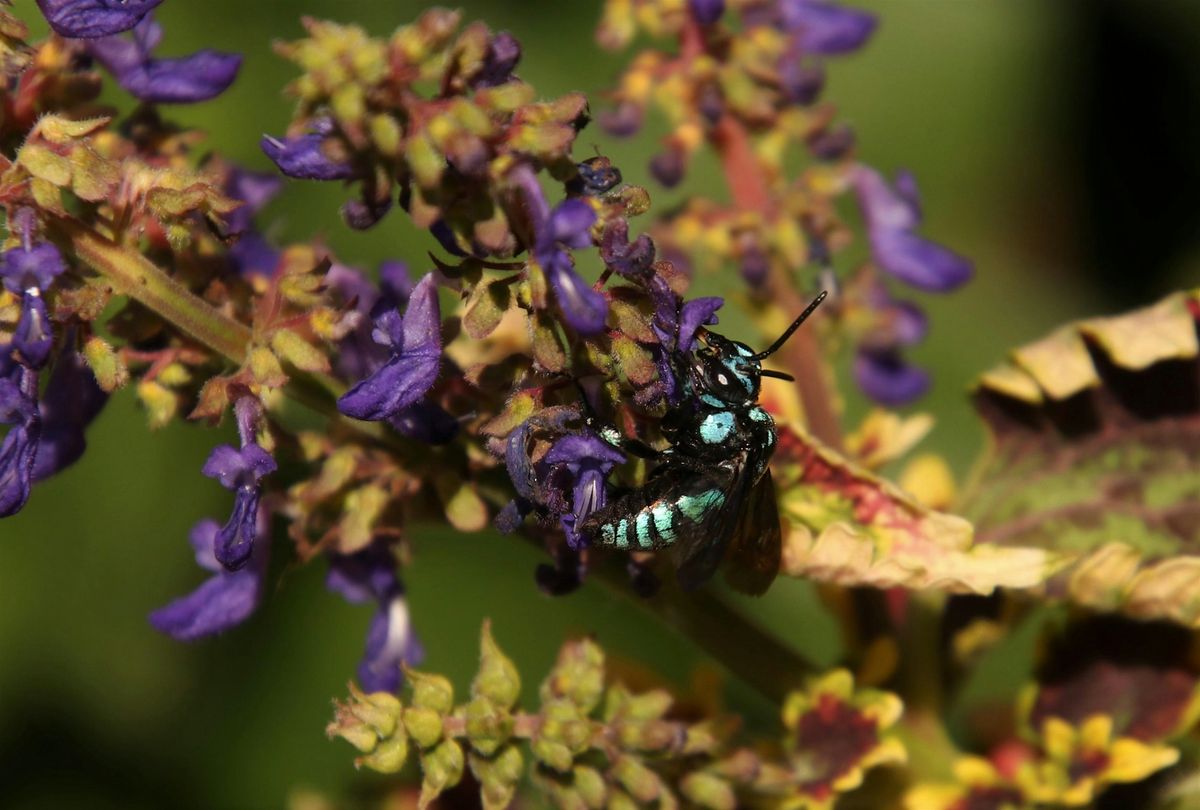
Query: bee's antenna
(787,333)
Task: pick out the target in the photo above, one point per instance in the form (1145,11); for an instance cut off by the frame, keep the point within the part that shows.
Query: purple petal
(390,642)
(883,208)
(696,313)
(584,451)
(668,167)
(888,379)
(585,309)
(235,540)
(252,254)
(223,601)
(184,80)
(33,337)
(86,19)
(18,452)
(302,157)
(37,267)
(72,399)
(203,538)
(255,189)
(425,422)
(570,222)
(238,468)
(924,264)
(707,12)
(516,460)
(827,28)
(504,52)
(414,365)
(623,120)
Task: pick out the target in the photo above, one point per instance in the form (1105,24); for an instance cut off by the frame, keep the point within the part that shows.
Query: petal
(888,379)
(302,157)
(235,541)
(425,422)
(585,309)
(570,222)
(18,454)
(183,80)
(707,12)
(203,538)
(72,399)
(696,313)
(827,28)
(85,19)
(423,320)
(398,384)
(38,266)
(584,450)
(390,641)
(884,209)
(924,264)
(223,601)
(518,463)
(33,337)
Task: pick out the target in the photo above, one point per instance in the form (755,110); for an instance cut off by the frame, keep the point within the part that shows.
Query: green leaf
(1096,431)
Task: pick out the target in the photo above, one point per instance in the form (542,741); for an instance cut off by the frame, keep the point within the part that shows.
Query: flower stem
(749,652)
(132,274)
(749,189)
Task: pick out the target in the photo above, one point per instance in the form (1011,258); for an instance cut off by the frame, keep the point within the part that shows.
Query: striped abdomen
(657,524)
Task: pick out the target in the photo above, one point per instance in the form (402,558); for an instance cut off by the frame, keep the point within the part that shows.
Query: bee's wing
(757,542)
(703,548)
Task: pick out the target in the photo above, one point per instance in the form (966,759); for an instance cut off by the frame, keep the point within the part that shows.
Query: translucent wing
(702,553)
(757,545)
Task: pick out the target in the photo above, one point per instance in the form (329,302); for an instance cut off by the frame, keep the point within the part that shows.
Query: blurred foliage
(1044,148)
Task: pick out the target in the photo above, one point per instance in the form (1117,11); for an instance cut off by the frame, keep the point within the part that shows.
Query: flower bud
(423,725)
(488,725)
(110,370)
(431,691)
(498,679)
(443,768)
(708,791)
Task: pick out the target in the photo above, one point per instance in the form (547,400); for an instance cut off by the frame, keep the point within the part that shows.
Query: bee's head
(725,370)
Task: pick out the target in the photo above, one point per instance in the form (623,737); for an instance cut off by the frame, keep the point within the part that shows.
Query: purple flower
(223,601)
(568,227)
(369,575)
(251,253)
(630,259)
(182,80)
(623,120)
(18,452)
(892,214)
(415,342)
(241,471)
(504,52)
(302,156)
(27,271)
(886,378)
(589,460)
(668,166)
(87,19)
(879,367)
(707,12)
(72,399)
(826,28)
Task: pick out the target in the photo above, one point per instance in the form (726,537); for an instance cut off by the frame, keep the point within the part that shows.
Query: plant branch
(749,190)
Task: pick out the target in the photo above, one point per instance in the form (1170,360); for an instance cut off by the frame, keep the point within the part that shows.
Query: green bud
(431,691)
(161,403)
(708,791)
(635,200)
(578,675)
(547,345)
(388,757)
(506,97)
(386,134)
(360,514)
(498,679)
(498,775)
(424,725)
(298,351)
(640,781)
(348,104)
(265,368)
(93,178)
(634,361)
(589,784)
(443,768)
(108,367)
(488,725)
(619,800)
(552,754)
(701,738)
(426,164)
(380,710)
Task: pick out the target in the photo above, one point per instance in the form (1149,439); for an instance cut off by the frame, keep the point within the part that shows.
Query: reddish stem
(801,354)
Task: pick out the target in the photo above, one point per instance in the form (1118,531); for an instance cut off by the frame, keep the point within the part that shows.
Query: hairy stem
(749,189)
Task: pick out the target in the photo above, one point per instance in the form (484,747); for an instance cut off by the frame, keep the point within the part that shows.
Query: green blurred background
(1055,145)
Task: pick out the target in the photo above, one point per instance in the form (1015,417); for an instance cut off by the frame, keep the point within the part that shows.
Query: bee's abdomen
(656,524)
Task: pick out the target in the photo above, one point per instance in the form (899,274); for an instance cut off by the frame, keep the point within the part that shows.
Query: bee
(709,497)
